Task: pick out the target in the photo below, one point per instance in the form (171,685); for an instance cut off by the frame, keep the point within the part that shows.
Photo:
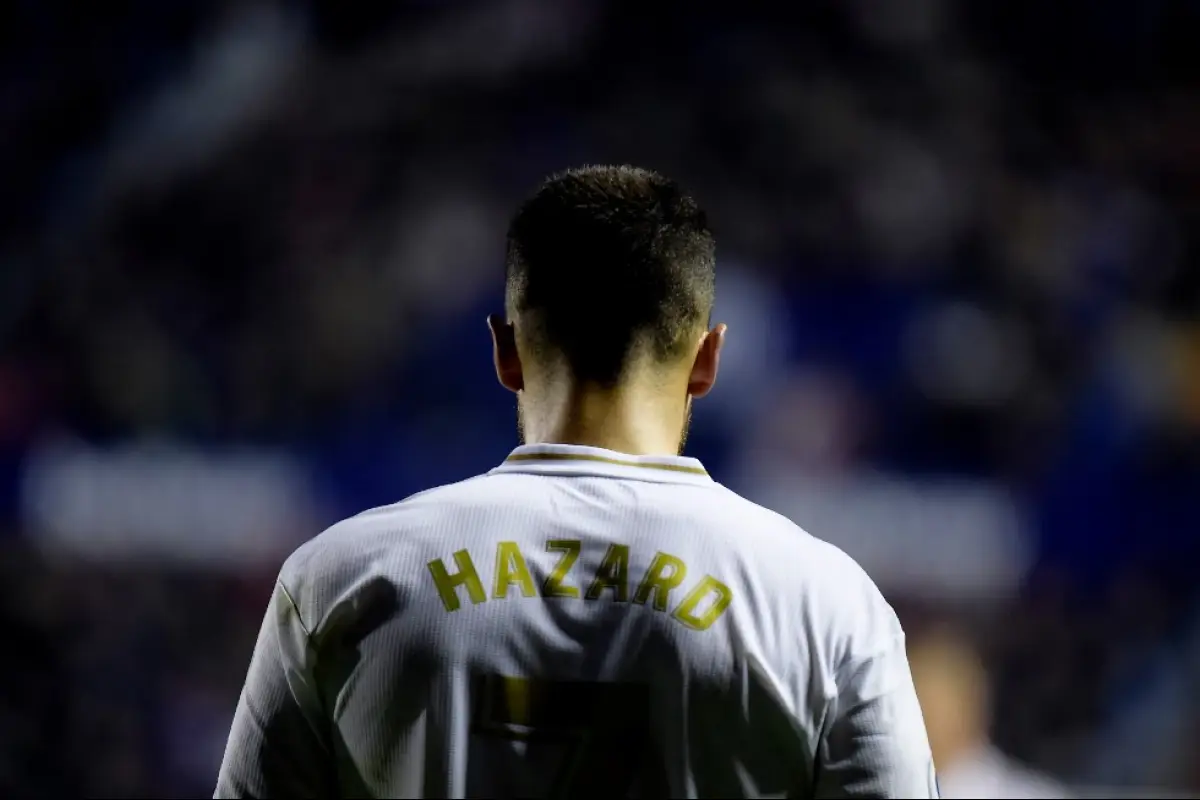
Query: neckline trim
(577,459)
(617,462)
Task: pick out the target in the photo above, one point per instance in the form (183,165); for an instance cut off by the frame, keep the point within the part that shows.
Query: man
(953,687)
(596,617)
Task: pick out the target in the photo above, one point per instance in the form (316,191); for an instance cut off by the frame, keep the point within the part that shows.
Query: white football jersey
(577,623)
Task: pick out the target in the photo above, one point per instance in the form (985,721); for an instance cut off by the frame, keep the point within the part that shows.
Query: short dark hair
(607,262)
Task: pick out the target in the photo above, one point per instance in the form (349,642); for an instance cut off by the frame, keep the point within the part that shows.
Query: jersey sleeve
(874,743)
(278,745)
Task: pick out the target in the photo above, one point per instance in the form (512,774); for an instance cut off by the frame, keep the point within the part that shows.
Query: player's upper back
(563,535)
(582,565)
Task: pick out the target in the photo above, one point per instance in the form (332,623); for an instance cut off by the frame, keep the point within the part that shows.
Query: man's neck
(621,420)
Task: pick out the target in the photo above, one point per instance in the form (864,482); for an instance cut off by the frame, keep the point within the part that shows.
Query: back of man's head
(607,265)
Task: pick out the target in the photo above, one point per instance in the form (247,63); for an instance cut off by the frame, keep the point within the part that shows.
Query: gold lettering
(553,585)
(685,612)
(613,573)
(511,571)
(664,574)
(518,700)
(447,584)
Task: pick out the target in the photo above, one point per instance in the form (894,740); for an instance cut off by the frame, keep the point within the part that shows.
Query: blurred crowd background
(247,247)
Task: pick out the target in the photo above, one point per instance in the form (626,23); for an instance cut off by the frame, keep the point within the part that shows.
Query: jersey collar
(566,459)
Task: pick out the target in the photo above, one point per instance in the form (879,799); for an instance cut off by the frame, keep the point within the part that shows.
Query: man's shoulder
(832,570)
(777,536)
(382,526)
(362,554)
(838,612)
(437,498)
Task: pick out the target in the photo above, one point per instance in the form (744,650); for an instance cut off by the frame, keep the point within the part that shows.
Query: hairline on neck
(644,413)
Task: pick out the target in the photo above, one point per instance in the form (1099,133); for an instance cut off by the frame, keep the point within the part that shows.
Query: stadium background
(246,249)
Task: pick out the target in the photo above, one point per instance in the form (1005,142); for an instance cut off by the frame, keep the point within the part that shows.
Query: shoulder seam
(295,608)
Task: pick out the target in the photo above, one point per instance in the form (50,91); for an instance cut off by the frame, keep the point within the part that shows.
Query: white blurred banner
(163,501)
(933,538)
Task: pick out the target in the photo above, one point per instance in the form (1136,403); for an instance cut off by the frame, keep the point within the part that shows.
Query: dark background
(246,250)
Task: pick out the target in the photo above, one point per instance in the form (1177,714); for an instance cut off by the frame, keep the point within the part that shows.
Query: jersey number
(600,732)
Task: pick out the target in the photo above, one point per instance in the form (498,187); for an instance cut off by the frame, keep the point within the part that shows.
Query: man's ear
(708,362)
(504,353)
